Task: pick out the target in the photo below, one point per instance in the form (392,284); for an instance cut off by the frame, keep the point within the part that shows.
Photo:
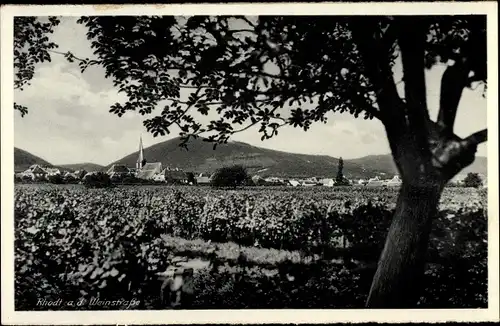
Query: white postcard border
(9,316)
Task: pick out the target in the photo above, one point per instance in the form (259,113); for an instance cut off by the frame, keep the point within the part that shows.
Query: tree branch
(375,51)
(454,154)
(234,31)
(69,54)
(263,74)
(249,22)
(453,82)
(253,73)
(210,103)
(411,42)
(374,112)
(476,138)
(188,107)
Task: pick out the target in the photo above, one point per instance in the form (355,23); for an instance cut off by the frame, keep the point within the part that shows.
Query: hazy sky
(69,122)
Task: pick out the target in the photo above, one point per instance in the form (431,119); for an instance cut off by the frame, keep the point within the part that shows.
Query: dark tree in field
(97,180)
(190,178)
(273,71)
(340,175)
(473,180)
(340,180)
(81,174)
(230,177)
(55,179)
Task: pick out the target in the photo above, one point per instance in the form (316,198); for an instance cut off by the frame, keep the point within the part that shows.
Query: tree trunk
(401,266)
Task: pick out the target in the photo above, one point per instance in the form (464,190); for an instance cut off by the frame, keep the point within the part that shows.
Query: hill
(385,164)
(23,160)
(200,157)
(89,167)
(266,162)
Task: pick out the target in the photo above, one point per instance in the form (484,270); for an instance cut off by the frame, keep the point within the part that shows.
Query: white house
(375,182)
(309,183)
(149,170)
(52,171)
(35,172)
(203,178)
(159,177)
(328,182)
(118,170)
(396,181)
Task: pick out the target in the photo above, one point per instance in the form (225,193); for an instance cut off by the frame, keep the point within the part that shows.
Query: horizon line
(234,141)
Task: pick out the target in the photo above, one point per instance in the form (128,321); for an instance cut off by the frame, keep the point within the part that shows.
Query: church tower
(140,160)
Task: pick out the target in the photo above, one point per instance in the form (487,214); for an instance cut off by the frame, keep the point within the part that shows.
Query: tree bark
(400,269)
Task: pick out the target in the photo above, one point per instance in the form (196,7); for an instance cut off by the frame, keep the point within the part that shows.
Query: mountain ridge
(87,166)
(267,162)
(262,161)
(24,159)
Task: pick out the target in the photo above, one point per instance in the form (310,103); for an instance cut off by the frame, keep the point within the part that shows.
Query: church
(145,170)
(155,171)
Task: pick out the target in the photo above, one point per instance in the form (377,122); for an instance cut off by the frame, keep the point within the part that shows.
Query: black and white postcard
(247,164)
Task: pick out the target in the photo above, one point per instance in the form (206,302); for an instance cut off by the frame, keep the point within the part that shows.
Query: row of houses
(330,182)
(378,182)
(36,171)
(371,182)
(156,172)
(39,172)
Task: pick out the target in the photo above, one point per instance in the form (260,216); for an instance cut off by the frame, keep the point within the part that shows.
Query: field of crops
(75,243)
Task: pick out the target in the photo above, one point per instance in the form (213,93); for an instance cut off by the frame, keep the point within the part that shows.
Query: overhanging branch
(461,154)
(68,54)
(476,138)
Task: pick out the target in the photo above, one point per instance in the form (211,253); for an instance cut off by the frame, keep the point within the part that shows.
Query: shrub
(80,174)
(230,177)
(55,179)
(131,179)
(97,180)
(27,178)
(473,180)
(69,178)
(190,178)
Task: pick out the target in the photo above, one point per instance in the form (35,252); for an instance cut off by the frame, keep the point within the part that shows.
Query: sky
(69,120)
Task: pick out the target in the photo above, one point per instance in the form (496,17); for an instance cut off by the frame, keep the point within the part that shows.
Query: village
(156,173)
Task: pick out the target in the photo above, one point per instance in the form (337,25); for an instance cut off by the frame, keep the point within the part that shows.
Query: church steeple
(140,159)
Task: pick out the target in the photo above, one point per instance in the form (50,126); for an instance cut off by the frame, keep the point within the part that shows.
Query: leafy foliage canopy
(31,46)
(267,70)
